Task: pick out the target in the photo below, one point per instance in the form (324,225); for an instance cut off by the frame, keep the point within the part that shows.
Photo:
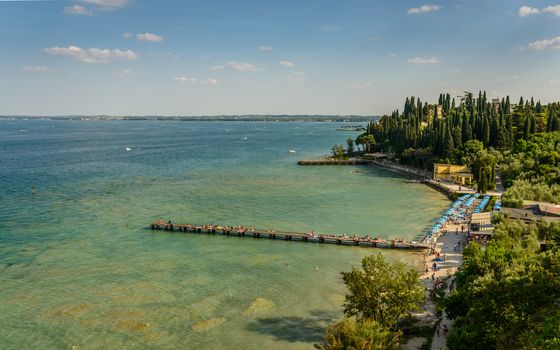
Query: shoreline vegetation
(501,292)
(235,118)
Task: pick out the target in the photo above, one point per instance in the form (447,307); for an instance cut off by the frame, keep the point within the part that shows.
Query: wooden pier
(288,236)
(333,161)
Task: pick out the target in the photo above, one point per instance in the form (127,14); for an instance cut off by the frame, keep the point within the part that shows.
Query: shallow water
(78,268)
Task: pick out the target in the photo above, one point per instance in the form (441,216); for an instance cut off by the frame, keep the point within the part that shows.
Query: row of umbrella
(480,207)
(457,209)
(498,205)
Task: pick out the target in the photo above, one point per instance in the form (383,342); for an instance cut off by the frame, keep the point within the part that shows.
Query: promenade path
(453,259)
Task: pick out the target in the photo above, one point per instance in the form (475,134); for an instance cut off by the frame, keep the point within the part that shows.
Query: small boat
(128,149)
(292,151)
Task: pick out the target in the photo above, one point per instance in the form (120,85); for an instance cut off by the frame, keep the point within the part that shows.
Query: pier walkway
(365,241)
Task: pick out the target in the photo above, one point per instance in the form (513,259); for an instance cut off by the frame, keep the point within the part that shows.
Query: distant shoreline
(235,118)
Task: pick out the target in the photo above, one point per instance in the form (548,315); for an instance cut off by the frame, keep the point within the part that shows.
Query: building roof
(481,218)
(549,209)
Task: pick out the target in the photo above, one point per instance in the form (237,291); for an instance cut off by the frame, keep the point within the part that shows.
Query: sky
(217,57)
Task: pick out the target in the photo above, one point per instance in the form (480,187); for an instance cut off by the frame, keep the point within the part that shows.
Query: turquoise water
(78,268)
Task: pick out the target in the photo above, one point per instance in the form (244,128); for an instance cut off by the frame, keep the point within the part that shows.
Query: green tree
(350,148)
(382,291)
(367,140)
(484,171)
(506,293)
(486,132)
(338,151)
(470,151)
(359,335)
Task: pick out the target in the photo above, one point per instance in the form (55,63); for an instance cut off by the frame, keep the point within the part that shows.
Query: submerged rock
(207,324)
(258,307)
(132,325)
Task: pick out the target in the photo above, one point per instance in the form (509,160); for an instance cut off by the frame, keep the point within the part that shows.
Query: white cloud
(455,70)
(92,55)
(244,67)
(77,10)
(554,81)
(264,48)
(211,81)
(183,79)
(35,69)
(287,63)
(127,35)
(392,55)
(555,10)
(424,9)
(109,4)
(149,37)
(422,60)
(526,11)
(218,67)
(553,43)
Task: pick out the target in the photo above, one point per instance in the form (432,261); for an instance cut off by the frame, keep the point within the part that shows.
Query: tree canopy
(507,293)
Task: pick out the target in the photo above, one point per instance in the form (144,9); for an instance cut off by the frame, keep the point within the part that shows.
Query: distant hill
(274,118)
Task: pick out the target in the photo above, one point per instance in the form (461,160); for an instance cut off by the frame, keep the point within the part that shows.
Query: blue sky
(206,57)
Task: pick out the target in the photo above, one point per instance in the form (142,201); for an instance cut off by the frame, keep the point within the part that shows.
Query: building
(480,227)
(548,209)
(496,104)
(458,174)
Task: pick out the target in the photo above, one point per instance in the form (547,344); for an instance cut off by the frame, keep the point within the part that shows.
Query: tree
(507,293)
(486,132)
(359,335)
(484,171)
(382,291)
(350,149)
(367,140)
(470,152)
(338,151)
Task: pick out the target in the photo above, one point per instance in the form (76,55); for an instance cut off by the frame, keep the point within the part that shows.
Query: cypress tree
(502,140)
(449,146)
(466,129)
(533,125)
(509,130)
(485,133)
(494,129)
(527,127)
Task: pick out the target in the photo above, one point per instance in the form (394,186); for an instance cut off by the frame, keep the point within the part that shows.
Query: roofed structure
(481,224)
(458,174)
